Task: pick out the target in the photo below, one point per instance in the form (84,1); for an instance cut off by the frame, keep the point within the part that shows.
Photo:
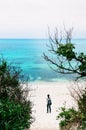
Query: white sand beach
(59,94)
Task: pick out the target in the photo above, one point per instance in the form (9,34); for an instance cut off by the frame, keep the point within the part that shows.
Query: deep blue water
(28,54)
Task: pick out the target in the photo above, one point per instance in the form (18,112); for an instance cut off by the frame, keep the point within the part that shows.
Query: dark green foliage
(82,59)
(15,109)
(82,109)
(14,116)
(69,117)
(66,50)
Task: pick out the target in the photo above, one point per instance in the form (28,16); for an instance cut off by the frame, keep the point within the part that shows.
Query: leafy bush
(15,109)
(70,117)
(14,116)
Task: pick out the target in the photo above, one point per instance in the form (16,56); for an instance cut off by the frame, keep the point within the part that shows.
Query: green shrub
(15,109)
(14,116)
(68,118)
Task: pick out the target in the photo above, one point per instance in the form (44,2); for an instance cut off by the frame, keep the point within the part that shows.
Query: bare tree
(64,59)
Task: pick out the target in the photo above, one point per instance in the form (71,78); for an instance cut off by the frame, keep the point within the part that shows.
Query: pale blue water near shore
(28,54)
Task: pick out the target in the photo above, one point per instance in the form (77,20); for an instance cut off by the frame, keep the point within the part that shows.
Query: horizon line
(36,39)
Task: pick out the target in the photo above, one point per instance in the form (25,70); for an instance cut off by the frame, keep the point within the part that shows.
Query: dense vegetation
(64,59)
(15,108)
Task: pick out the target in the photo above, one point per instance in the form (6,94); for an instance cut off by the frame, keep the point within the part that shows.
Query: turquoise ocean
(28,55)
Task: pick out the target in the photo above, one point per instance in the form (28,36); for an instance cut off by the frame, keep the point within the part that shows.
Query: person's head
(48,95)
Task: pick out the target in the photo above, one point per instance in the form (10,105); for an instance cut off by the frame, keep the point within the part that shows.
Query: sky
(31,18)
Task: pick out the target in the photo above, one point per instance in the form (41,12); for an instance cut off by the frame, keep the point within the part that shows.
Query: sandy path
(59,94)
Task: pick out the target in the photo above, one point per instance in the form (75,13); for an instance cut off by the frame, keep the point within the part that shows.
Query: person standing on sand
(49,103)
